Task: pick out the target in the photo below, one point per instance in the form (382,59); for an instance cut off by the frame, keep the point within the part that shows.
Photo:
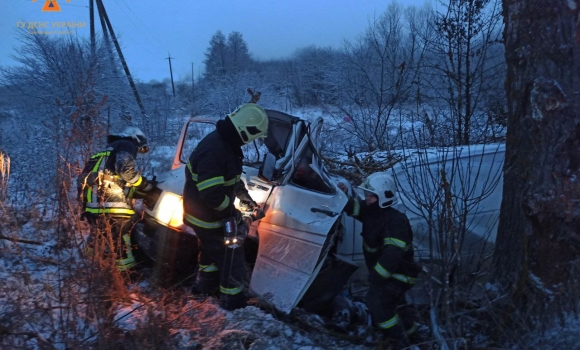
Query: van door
(297,233)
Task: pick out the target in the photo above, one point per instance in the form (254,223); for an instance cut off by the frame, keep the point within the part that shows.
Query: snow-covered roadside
(47,302)
(201,324)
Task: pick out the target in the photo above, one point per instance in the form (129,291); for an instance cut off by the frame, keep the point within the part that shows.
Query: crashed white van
(304,250)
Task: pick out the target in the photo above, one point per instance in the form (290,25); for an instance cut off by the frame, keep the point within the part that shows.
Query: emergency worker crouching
(213,181)
(389,256)
(107,186)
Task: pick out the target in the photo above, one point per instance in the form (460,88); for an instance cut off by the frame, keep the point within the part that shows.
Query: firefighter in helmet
(212,182)
(389,256)
(107,186)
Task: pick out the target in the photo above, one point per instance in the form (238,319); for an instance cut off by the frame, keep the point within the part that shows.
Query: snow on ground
(45,300)
(45,304)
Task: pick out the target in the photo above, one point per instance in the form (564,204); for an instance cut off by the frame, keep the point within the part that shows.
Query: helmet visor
(252,133)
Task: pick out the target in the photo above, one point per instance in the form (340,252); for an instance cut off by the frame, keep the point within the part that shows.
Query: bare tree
(536,257)
(462,62)
(313,77)
(65,87)
(452,195)
(378,73)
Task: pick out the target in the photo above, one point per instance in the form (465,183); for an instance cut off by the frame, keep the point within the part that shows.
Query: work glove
(146,185)
(149,184)
(248,205)
(257,214)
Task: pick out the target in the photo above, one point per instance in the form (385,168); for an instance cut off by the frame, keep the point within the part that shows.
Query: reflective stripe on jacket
(212,182)
(387,241)
(106,180)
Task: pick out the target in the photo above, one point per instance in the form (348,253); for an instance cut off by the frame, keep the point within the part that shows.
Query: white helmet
(138,138)
(250,121)
(382,185)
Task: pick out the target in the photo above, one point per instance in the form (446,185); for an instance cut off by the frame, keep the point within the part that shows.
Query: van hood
(172,181)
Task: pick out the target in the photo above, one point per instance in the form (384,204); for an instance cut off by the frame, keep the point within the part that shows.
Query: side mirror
(267,168)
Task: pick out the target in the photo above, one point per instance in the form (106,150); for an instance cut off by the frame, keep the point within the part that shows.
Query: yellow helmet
(250,121)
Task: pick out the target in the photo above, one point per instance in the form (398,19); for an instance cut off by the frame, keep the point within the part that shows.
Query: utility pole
(192,81)
(92,21)
(105,18)
(192,89)
(108,44)
(171,73)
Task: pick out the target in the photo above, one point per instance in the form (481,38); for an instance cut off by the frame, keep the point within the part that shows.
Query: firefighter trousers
(390,312)
(112,233)
(221,269)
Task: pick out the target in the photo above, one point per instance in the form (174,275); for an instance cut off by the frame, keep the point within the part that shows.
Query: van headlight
(170,210)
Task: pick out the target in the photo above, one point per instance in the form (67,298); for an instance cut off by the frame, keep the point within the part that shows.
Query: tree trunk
(539,225)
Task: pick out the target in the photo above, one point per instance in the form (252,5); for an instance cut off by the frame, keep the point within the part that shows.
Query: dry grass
(4,175)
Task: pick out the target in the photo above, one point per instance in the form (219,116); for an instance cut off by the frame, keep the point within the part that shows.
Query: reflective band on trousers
(382,271)
(403,278)
(231,291)
(129,261)
(413,329)
(386,274)
(197,222)
(208,268)
(390,323)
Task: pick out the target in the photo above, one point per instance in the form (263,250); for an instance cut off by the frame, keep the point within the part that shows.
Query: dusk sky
(148,30)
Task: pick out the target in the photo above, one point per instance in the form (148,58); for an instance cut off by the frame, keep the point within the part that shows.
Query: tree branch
(15,240)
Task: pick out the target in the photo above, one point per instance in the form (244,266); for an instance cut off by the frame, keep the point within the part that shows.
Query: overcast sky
(150,29)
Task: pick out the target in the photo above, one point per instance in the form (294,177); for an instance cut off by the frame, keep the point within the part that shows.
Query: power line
(151,34)
(134,40)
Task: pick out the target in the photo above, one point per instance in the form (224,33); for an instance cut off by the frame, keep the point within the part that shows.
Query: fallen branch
(16,240)
(435,331)
(5,331)
(364,168)
(186,311)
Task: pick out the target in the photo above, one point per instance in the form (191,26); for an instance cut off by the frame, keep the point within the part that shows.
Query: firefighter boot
(127,260)
(206,281)
(232,302)
(398,336)
(341,313)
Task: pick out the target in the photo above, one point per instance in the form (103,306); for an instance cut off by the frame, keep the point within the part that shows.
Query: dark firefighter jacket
(387,242)
(212,178)
(110,180)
